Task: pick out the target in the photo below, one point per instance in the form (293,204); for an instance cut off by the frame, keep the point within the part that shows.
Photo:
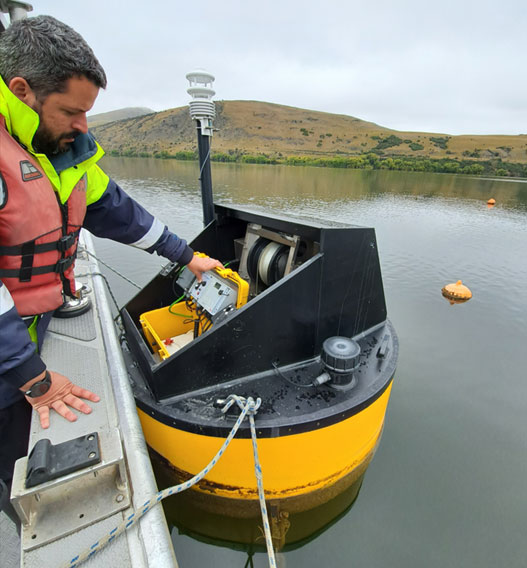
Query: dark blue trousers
(15,420)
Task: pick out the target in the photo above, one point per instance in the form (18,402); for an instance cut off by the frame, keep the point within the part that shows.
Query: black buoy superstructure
(202,110)
(312,342)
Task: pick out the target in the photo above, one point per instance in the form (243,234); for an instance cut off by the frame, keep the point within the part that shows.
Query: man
(50,187)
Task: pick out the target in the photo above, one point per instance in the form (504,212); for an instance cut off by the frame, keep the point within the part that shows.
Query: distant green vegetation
(370,161)
(163,154)
(387,142)
(440,142)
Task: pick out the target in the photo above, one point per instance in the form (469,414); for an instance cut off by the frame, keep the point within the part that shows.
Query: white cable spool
(266,257)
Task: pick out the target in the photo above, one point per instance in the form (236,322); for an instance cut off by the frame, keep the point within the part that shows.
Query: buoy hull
(293,467)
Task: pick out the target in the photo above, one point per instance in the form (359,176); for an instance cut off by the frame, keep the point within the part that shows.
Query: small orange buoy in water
(491,201)
(457,292)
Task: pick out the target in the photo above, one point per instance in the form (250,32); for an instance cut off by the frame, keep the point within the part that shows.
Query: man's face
(63,116)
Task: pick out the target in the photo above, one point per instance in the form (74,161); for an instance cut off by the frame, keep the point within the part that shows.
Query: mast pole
(202,110)
(16,10)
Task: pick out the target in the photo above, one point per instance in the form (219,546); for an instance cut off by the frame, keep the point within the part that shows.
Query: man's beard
(45,143)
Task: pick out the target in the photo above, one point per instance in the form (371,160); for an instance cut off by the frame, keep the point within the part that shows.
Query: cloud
(453,66)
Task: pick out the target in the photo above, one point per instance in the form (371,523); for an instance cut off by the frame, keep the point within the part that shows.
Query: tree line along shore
(369,161)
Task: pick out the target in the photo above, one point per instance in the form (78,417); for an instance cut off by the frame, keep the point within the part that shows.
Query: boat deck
(69,514)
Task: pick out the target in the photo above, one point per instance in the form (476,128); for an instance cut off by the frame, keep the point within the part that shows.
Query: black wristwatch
(40,387)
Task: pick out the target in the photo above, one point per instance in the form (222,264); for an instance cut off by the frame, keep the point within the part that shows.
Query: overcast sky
(456,67)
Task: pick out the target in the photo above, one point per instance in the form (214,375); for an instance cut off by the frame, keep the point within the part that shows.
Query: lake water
(448,485)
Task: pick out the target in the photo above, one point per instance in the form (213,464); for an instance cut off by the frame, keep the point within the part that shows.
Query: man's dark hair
(46,53)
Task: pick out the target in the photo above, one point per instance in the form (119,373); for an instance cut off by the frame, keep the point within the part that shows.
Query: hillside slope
(120,114)
(260,128)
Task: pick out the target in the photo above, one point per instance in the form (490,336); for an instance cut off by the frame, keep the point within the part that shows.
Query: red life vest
(38,234)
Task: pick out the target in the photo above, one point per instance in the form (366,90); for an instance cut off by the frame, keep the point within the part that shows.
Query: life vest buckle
(63,264)
(65,242)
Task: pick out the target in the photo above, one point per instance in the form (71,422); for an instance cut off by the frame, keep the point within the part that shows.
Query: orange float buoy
(491,201)
(456,293)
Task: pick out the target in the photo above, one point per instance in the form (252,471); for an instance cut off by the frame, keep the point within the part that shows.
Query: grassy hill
(120,114)
(271,132)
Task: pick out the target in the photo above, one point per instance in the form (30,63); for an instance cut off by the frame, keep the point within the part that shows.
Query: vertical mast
(203,112)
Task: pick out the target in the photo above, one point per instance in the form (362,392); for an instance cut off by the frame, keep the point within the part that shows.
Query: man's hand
(200,264)
(62,394)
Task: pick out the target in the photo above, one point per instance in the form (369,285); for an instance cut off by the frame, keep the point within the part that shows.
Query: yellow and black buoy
(456,293)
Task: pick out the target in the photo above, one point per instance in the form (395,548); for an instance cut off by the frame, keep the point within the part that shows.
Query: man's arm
(19,360)
(115,215)
(21,367)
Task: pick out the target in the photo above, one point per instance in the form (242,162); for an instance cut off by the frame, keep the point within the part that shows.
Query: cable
(110,268)
(279,373)
(117,319)
(249,563)
(180,315)
(204,163)
(208,325)
(174,280)
(173,304)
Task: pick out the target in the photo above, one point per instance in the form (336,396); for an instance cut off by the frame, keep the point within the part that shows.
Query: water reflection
(447,485)
(290,531)
(256,183)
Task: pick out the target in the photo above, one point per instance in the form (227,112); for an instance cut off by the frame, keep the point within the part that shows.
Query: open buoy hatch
(297,319)
(304,286)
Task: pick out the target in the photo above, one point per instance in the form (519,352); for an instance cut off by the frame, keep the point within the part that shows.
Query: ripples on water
(447,486)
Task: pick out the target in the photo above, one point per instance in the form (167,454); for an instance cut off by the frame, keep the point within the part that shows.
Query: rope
(240,401)
(111,268)
(247,406)
(261,494)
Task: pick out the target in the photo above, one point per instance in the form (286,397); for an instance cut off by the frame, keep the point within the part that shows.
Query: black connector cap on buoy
(340,356)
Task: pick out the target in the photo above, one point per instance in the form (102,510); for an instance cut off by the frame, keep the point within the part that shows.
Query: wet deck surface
(10,549)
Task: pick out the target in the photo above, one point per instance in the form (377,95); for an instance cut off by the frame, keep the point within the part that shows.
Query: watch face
(40,387)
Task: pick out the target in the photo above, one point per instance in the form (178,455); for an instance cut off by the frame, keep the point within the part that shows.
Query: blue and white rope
(247,406)
(259,479)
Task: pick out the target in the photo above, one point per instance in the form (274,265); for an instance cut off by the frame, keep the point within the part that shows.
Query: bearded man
(51,187)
